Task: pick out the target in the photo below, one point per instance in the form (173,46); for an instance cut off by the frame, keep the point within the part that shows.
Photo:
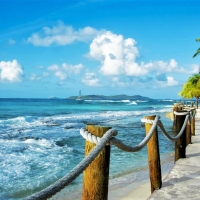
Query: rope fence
(97,151)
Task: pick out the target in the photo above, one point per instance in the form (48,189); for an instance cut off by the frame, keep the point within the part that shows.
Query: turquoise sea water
(40,140)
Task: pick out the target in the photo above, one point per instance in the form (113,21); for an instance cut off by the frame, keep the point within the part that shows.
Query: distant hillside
(113,97)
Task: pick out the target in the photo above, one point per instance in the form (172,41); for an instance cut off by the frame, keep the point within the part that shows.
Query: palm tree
(191,89)
(198,50)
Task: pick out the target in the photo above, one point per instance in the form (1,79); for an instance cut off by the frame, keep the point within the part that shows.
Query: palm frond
(197,52)
(198,40)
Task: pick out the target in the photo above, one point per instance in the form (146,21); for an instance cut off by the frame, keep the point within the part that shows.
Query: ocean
(40,140)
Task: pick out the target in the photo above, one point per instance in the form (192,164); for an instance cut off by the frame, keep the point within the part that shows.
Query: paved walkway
(183,181)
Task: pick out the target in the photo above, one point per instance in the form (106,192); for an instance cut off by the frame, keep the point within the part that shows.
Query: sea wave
(171,100)
(142,101)
(133,103)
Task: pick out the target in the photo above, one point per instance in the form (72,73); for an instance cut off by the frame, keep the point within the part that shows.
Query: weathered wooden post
(153,157)
(175,108)
(193,122)
(180,144)
(188,132)
(96,176)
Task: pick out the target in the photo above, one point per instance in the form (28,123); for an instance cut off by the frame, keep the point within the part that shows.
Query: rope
(100,144)
(118,143)
(180,113)
(179,134)
(148,121)
(88,136)
(67,179)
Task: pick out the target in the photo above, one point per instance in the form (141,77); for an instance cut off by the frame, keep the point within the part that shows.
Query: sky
(54,48)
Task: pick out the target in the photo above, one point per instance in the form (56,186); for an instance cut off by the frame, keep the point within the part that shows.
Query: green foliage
(191,89)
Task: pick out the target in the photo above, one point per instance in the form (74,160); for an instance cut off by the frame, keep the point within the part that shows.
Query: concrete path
(183,181)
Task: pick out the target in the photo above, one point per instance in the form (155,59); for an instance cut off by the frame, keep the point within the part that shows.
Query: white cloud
(195,69)
(64,70)
(161,66)
(34,77)
(10,71)
(169,82)
(45,74)
(118,57)
(115,54)
(61,34)
(91,79)
(117,82)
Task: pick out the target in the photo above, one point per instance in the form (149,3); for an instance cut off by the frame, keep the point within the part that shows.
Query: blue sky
(134,47)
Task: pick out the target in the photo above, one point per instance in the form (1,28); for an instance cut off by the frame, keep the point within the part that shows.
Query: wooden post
(153,157)
(188,132)
(180,144)
(175,108)
(96,176)
(193,122)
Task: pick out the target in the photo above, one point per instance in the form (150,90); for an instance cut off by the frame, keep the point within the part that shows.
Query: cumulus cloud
(117,82)
(10,71)
(34,77)
(169,82)
(118,57)
(64,70)
(195,69)
(61,34)
(171,66)
(91,79)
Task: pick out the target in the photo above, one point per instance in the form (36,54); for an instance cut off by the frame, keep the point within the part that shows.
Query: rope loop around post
(181,113)
(92,138)
(148,121)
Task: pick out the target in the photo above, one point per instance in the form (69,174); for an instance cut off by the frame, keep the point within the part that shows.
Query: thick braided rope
(67,179)
(193,113)
(180,113)
(148,121)
(118,143)
(180,132)
(88,136)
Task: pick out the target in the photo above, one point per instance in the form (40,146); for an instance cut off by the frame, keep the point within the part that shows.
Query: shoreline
(135,185)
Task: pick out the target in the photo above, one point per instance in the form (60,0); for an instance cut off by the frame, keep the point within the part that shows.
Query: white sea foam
(125,101)
(133,103)
(167,100)
(41,142)
(23,122)
(142,101)
(109,101)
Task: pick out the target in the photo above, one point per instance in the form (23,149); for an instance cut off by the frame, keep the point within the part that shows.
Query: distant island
(112,97)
